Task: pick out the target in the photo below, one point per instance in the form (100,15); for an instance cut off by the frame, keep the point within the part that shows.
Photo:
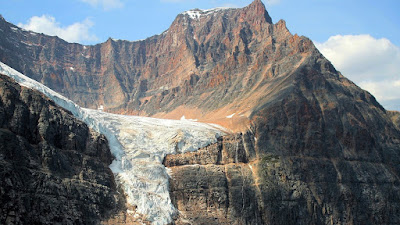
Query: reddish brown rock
(233,55)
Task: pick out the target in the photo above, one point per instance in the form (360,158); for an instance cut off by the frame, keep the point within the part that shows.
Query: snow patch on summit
(198,13)
(139,145)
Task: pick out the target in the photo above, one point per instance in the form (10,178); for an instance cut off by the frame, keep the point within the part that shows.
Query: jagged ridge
(178,72)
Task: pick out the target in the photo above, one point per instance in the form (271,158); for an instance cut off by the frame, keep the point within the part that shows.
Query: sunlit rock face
(234,55)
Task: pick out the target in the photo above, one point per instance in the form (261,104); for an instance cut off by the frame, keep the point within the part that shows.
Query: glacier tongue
(139,145)
(145,142)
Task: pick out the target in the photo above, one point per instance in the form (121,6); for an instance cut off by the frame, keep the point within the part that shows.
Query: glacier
(139,145)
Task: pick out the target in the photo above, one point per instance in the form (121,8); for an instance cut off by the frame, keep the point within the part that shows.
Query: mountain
(235,55)
(307,146)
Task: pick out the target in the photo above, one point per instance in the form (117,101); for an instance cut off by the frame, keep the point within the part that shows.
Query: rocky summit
(237,56)
(306,145)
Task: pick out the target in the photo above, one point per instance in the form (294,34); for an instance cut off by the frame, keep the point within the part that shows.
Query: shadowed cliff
(54,169)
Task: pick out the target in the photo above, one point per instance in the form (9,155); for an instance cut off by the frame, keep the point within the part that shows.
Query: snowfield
(196,14)
(139,145)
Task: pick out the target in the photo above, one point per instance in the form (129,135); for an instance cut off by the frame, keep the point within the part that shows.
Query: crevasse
(139,145)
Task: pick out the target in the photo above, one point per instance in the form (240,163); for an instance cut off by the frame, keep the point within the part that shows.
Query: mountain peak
(198,13)
(257,8)
(257,4)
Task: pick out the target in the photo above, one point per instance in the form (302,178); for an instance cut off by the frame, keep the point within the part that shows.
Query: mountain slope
(234,55)
(319,150)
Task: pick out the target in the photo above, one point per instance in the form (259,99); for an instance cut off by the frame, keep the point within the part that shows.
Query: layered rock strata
(237,56)
(238,181)
(54,169)
(321,151)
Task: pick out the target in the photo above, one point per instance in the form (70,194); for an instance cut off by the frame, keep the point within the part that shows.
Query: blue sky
(135,19)
(360,37)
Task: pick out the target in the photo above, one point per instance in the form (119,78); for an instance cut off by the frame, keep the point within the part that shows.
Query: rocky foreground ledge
(53,168)
(232,182)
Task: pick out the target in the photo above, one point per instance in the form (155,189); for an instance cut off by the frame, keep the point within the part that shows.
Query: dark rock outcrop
(250,179)
(53,168)
(395,115)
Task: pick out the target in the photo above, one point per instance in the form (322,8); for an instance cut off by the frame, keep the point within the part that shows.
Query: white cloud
(106,4)
(77,32)
(383,90)
(373,64)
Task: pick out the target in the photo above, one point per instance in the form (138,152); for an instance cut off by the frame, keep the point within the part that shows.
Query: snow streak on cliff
(139,145)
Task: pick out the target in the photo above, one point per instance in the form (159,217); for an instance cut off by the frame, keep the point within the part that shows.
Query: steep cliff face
(320,151)
(290,168)
(317,150)
(234,55)
(54,169)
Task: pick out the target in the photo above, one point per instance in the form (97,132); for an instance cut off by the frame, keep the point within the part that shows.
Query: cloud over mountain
(76,32)
(374,64)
